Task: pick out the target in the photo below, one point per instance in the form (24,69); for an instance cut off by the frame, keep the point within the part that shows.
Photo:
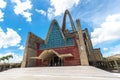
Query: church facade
(61,47)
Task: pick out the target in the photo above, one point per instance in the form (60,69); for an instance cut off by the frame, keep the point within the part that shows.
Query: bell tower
(81,46)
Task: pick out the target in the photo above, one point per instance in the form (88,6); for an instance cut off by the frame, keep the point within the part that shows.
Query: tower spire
(71,21)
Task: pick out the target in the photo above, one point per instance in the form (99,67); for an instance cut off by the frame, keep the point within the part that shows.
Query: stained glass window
(56,40)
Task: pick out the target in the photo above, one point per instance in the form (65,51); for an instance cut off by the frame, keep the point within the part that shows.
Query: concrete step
(58,73)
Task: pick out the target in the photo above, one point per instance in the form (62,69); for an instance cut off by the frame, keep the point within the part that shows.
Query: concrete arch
(71,21)
(48,53)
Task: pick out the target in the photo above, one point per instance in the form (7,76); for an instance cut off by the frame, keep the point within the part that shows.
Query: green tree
(3,59)
(8,57)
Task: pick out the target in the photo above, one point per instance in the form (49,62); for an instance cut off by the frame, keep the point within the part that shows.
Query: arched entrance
(52,58)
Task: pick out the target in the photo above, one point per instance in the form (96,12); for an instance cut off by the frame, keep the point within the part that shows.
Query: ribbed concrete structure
(61,47)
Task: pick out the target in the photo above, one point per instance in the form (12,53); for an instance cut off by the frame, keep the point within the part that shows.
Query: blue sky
(18,17)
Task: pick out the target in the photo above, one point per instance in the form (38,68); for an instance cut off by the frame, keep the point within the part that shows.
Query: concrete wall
(30,50)
(6,66)
(98,54)
(89,46)
(68,61)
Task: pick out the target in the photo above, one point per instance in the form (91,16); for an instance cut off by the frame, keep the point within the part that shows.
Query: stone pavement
(58,73)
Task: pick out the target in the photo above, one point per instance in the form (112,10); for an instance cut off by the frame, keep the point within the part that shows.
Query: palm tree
(8,57)
(2,59)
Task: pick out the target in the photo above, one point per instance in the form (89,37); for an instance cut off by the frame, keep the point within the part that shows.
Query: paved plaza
(58,73)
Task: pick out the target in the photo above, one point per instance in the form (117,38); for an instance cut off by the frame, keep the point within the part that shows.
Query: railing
(109,65)
(6,66)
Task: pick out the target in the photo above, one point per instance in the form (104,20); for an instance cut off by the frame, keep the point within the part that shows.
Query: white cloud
(21,47)
(9,38)
(109,30)
(112,50)
(41,11)
(58,7)
(1,16)
(105,49)
(19,29)
(50,13)
(23,8)
(16,58)
(2,6)
(95,12)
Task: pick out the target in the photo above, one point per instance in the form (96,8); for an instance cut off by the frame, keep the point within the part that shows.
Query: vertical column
(116,65)
(25,57)
(81,46)
(90,48)
(30,50)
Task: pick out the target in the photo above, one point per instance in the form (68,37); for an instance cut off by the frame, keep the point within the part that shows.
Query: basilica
(61,47)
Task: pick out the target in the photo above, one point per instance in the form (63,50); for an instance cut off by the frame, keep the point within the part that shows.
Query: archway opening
(54,60)
(51,58)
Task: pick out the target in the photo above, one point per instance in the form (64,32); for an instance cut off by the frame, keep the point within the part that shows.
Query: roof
(46,53)
(114,57)
(65,33)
